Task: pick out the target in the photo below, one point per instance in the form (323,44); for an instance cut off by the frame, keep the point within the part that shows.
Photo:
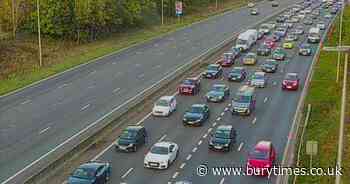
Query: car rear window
(259,155)
(84,173)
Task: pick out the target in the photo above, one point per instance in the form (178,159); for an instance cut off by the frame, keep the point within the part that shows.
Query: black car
(196,115)
(93,172)
(274,4)
(131,138)
(269,66)
(223,138)
(213,71)
(237,74)
(263,50)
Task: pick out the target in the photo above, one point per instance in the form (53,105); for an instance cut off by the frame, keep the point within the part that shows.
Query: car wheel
(168,164)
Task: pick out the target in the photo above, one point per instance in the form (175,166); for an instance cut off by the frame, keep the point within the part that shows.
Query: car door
(206,112)
(100,178)
(172,152)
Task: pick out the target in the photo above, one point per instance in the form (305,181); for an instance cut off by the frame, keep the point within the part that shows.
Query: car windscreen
(227,56)
(264,27)
(223,134)
(128,134)
(188,82)
(162,102)
(241,42)
(242,99)
(159,150)
(196,109)
(84,173)
(258,77)
(259,155)
(291,77)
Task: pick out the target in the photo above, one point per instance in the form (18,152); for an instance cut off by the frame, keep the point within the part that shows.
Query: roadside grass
(20,68)
(325,97)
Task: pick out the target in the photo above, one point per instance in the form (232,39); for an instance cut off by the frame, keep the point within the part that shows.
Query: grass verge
(20,67)
(325,97)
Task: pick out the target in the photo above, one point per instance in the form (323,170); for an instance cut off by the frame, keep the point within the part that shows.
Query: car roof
(263,145)
(216,65)
(163,144)
(238,68)
(91,165)
(259,73)
(219,85)
(292,74)
(168,98)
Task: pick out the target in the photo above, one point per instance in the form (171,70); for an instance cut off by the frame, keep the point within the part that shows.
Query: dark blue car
(213,71)
(196,115)
(93,172)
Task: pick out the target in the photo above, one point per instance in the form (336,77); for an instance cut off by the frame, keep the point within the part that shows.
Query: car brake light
(295,83)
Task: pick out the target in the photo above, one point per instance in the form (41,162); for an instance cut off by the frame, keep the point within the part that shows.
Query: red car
(261,158)
(190,86)
(269,43)
(227,59)
(290,82)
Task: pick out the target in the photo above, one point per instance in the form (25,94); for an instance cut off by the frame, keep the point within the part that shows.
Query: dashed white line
(265,99)
(200,142)
(44,130)
(175,175)
(226,109)
(137,65)
(218,119)
(116,90)
(210,129)
(117,74)
(141,76)
(93,72)
(222,114)
(114,63)
(92,86)
(182,165)
(254,121)
(25,102)
(240,146)
(229,105)
(205,135)
(214,124)
(188,157)
(157,66)
(62,86)
(194,149)
(222,181)
(127,173)
(85,107)
(162,138)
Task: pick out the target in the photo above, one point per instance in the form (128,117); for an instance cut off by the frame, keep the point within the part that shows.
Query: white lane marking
(222,114)
(182,165)
(92,86)
(117,74)
(137,65)
(194,149)
(127,173)
(226,109)
(265,99)
(229,105)
(240,146)
(25,102)
(222,181)
(214,124)
(44,130)
(114,63)
(116,90)
(162,138)
(210,129)
(169,182)
(188,157)
(85,107)
(63,85)
(200,142)
(205,135)
(175,175)
(218,119)
(254,121)
(157,66)
(144,118)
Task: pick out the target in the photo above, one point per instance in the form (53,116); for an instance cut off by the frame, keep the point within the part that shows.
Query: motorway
(271,120)
(35,120)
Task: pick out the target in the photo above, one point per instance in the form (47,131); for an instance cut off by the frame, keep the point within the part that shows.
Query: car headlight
(131,144)
(226,145)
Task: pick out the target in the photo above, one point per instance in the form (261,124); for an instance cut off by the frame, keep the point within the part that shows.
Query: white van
(314,35)
(164,106)
(246,39)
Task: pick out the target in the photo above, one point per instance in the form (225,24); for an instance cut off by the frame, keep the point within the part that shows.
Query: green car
(279,54)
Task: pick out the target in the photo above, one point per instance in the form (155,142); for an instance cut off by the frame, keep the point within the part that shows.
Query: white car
(251,5)
(258,80)
(265,28)
(161,155)
(164,106)
(321,25)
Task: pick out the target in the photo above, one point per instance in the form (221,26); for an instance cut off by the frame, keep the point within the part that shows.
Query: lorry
(246,39)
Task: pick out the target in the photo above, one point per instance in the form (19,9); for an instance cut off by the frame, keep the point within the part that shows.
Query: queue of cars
(162,154)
